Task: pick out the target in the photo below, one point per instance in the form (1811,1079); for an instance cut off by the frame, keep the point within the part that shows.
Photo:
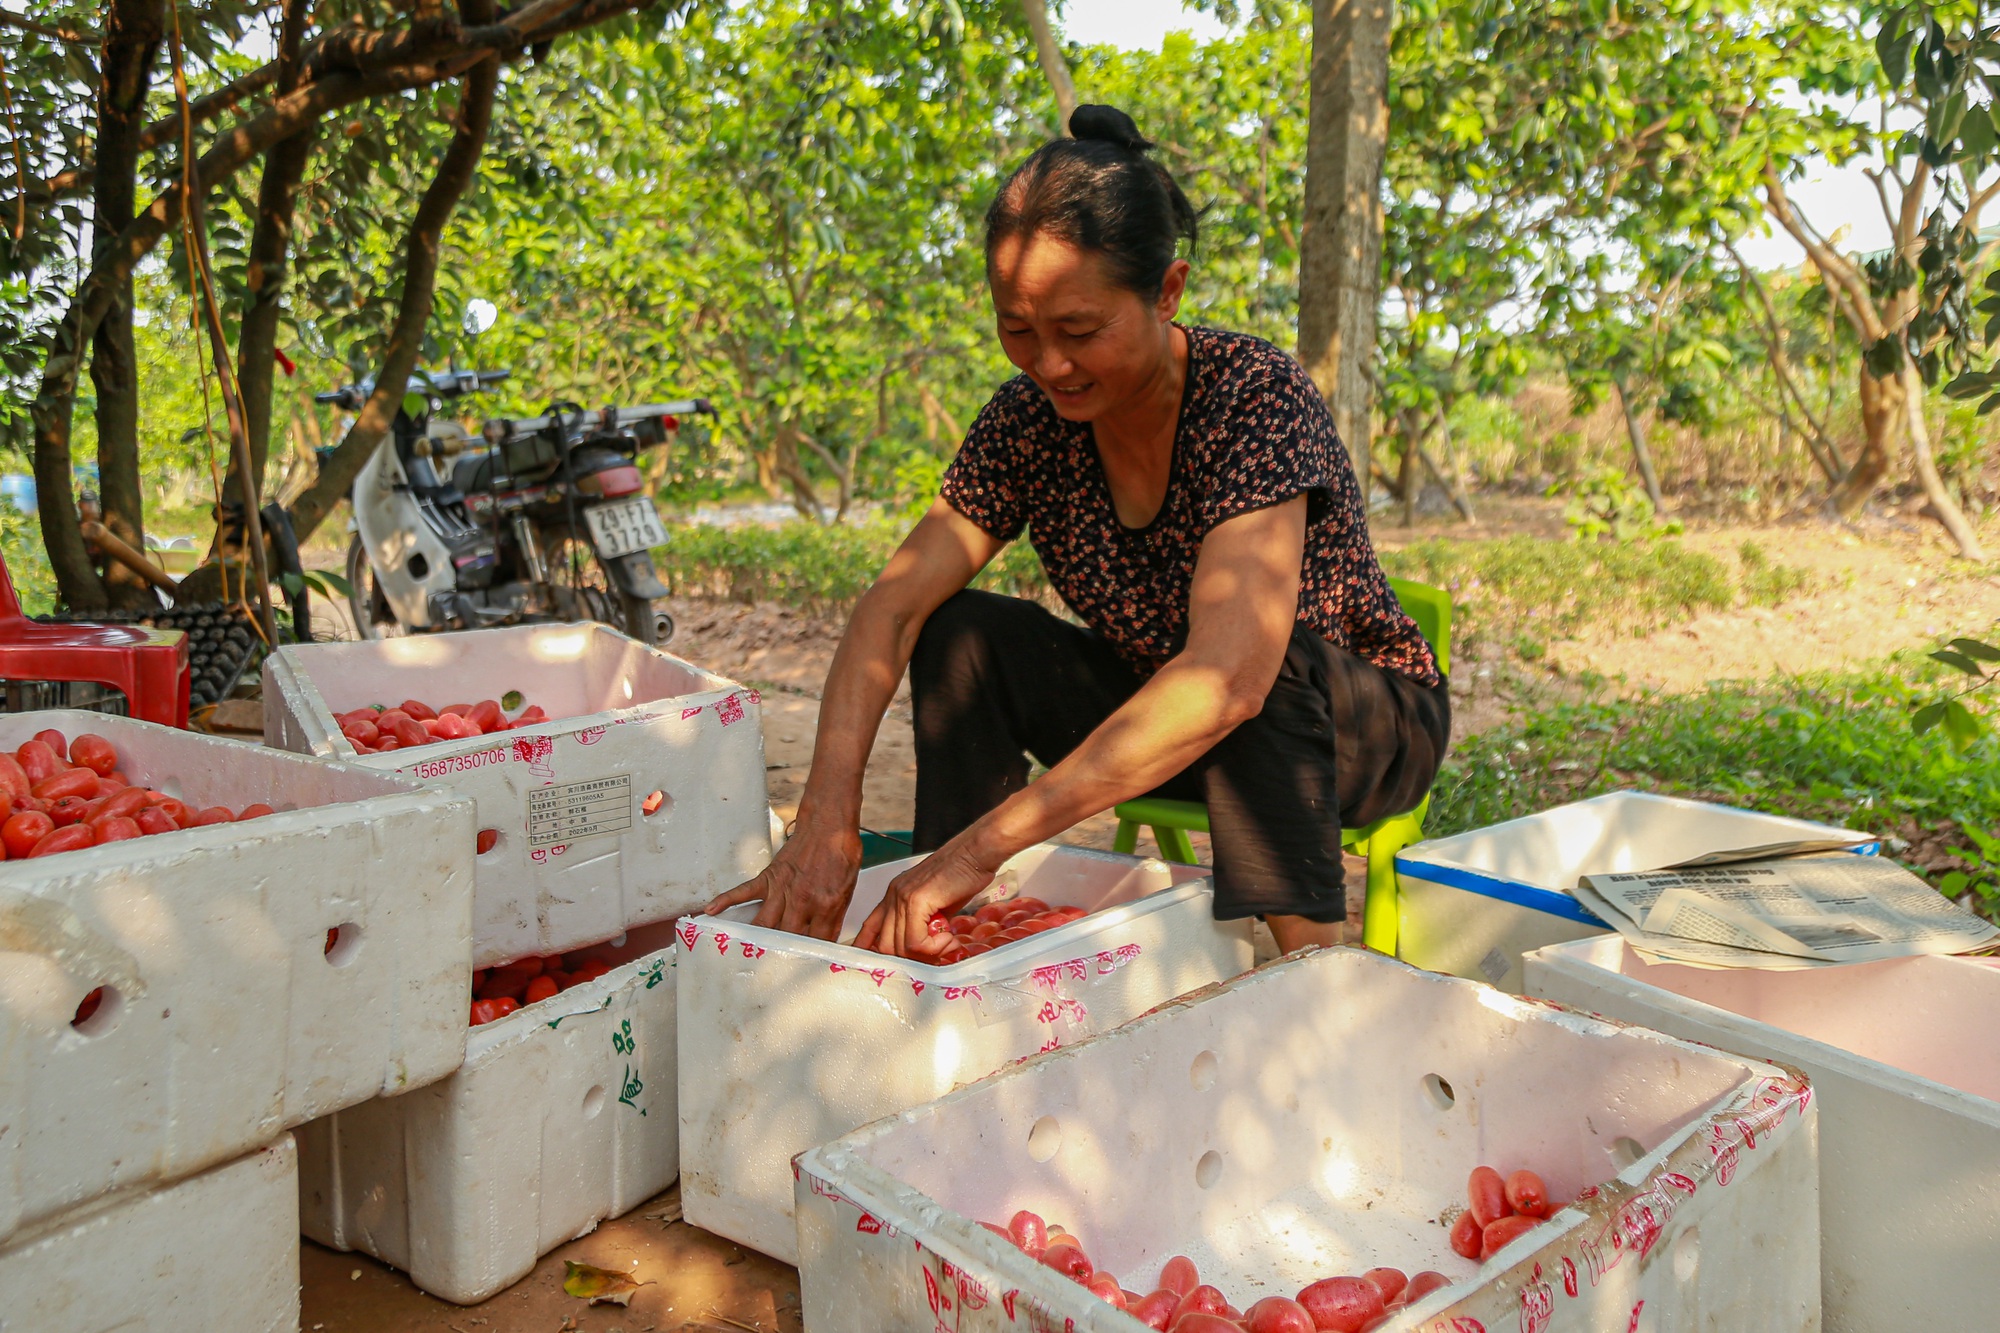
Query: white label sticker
(1493,966)
(574,811)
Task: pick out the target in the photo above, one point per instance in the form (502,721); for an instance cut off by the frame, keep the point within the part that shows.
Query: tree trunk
(1452,485)
(1409,482)
(1943,507)
(788,467)
(1641,454)
(1340,244)
(1053,64)
(266,267)
(413,313)
(133,30)
(1881,406)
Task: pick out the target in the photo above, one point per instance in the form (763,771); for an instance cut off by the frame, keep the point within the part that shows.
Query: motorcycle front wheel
(365,603)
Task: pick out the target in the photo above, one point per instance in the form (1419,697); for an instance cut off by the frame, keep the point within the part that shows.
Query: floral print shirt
(1253,433)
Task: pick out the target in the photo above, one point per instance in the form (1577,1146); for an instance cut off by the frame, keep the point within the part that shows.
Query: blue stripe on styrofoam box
(1492,886)
(1525,895)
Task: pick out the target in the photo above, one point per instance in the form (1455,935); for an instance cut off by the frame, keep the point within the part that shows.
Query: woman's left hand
(940,883)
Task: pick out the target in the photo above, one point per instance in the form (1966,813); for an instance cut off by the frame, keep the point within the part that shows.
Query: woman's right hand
(806,888)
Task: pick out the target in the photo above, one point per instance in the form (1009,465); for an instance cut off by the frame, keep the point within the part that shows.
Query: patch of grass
(1546,589)
(1765,582)
(809,565)
(1558,587)
(1834,748)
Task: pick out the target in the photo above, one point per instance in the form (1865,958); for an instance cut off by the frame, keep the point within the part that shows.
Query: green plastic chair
(1171,821)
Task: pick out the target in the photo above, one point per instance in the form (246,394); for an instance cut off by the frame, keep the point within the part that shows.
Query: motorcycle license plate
(625,526)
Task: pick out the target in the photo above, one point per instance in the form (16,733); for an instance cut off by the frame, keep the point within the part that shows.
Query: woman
(1192,505)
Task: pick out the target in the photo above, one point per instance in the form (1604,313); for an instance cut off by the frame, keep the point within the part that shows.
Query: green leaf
(1926,717)
(330,583)
(512,700)
(1957,660)
(1980,652)
(1892,48)
(1954,883)
(1960,724)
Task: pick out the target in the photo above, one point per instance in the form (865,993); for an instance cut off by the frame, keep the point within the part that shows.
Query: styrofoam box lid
(1536,860)
(1922,1024)
(572,671)
(1214,1127)
(1112,887)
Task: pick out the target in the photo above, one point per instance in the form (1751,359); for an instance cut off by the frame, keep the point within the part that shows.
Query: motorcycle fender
(392,530)
(635,576)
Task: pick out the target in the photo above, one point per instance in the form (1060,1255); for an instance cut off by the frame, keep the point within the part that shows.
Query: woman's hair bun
(1096,121)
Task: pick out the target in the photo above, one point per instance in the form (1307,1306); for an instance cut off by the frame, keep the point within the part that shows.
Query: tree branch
(1856,302)
(406,337)
(1833,465)
(1054,67)
(50,31)
(77,179)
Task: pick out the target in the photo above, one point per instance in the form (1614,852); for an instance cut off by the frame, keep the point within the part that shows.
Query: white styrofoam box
(1907,1078)
(787,1042)
(215,1253)
(563,1116)
(578,858)
(1473,903)
(1319,1117)
(226,1017)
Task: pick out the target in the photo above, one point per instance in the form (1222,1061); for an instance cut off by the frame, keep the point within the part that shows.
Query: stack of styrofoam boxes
(787,1042)
(1320,1117)
(1473,903)
(253,976)
(1907,1079)
(639,800)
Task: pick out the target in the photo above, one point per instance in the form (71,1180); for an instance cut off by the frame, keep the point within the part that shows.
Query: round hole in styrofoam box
(99,1011)
(1687,1256)
(656,802)
(1625,1151)
(593,1101)
(1202,1073)
(1045,1138)
(1208,1169)
(342,943)
(1438,1092)
(488,839)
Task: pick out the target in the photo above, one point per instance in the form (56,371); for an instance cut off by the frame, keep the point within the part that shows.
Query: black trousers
(1340,741)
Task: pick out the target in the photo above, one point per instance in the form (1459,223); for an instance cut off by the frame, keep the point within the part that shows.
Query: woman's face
(1091,344)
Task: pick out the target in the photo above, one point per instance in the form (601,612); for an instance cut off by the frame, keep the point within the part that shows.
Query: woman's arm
(1241,609)
(806,887)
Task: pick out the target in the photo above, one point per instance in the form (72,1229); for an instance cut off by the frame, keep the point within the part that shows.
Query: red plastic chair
(149,666)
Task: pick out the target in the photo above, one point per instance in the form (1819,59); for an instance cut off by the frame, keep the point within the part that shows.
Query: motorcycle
(542,518)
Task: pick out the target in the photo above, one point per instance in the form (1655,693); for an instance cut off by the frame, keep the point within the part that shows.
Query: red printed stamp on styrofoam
(535,752)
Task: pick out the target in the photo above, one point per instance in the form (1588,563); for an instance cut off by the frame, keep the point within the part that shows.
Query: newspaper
(1783,913)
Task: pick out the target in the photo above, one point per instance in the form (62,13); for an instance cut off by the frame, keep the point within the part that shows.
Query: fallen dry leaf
(599,1286)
